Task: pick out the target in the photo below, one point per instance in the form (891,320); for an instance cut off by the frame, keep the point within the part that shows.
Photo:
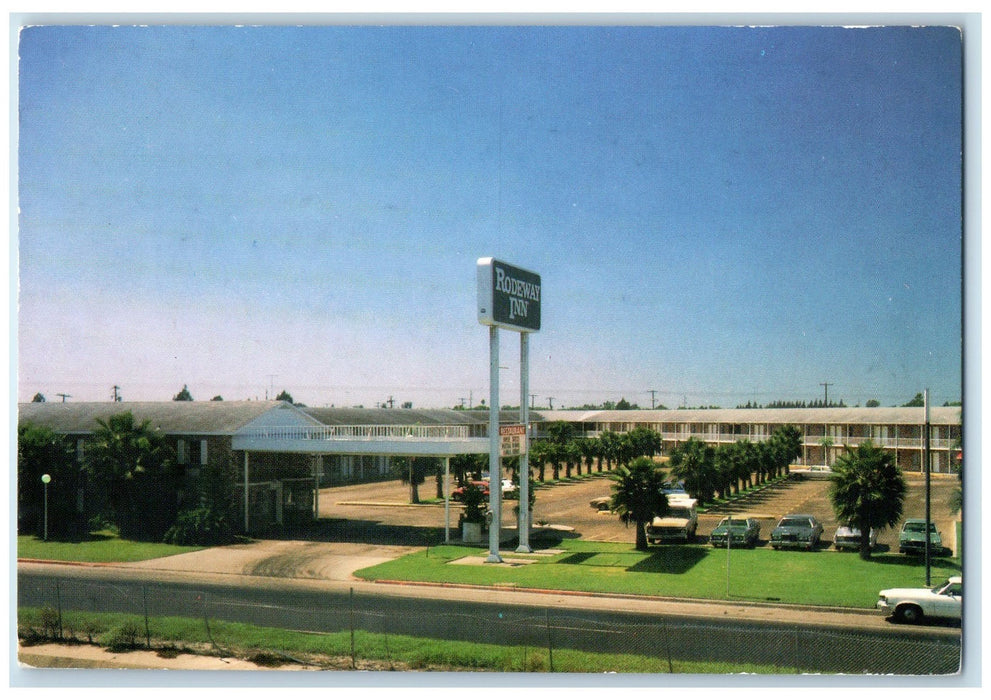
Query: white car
(913,604)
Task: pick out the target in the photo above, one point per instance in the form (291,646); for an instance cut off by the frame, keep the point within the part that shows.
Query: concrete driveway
(325,561)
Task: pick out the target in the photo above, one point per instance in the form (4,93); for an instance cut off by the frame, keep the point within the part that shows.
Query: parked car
(847,537)
(913,604)
(458,494)
(912,538)
(678,524)
(744,532)
(601,503)
(796,531)
(508,488)
(674,488)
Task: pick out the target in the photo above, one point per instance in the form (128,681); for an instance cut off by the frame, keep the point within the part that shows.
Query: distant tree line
(815,403)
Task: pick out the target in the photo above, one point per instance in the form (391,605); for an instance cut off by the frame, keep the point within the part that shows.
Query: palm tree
(867,491)
(786,446)
(725,460)
(539,456)
(134,465)
(693,462)
(748,462)
(413,471)
(638,496)
(609,442)
(572,458)
(588,448)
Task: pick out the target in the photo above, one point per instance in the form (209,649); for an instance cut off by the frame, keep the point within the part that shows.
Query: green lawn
(102,546)
(694,571)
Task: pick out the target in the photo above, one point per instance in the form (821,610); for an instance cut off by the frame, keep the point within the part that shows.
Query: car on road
(848,538)
(912,605)
(912,538)
(678,524)
(739,532)
(797,531)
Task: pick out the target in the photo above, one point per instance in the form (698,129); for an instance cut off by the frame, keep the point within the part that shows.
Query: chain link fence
(384,633)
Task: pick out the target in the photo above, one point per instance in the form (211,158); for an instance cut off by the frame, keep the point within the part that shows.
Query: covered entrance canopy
(296,432)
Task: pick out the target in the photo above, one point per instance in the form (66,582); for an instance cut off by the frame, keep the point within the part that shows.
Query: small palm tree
(638,496)
(867,491)
(693,462)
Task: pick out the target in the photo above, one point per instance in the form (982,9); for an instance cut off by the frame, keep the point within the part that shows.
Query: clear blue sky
(721,215)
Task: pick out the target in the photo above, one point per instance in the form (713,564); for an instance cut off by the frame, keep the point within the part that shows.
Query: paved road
(792,639)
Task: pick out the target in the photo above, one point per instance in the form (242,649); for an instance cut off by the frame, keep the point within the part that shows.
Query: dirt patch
(90,656)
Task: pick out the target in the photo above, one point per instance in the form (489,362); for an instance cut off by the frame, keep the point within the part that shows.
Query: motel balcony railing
(359,432)
(902,443)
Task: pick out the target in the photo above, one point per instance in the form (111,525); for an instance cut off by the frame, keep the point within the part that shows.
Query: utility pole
(533,397)
(826,385)
(117,397)
(64,396)
(550,402)
(651,392)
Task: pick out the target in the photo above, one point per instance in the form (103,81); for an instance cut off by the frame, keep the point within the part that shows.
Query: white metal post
(495,464)
(926,459)
(523,525)
(447,500)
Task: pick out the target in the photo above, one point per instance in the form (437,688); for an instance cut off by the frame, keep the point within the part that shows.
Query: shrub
(50,622)
(201,527)
(124,638)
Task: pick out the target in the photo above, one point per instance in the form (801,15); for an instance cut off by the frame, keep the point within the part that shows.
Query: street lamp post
(45,478)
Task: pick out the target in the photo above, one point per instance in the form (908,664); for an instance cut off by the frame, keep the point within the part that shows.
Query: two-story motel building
(286,453)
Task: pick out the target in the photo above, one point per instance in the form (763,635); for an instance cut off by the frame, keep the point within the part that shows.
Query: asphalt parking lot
(383,512)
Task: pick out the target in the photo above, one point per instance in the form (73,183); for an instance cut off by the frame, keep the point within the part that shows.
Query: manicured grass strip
(694,571)
(410,652)
(101,547)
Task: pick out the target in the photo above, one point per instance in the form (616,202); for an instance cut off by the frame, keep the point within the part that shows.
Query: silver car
(848,538)
(797,531)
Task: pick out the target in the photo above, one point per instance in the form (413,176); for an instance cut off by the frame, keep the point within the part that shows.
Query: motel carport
(412,440)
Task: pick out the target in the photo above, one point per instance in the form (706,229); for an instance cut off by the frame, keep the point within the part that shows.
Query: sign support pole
(447,500)
(926,459)
(523,525)
(495,462)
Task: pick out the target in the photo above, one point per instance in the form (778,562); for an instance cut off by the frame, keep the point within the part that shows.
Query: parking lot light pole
(729,545)
(45,479)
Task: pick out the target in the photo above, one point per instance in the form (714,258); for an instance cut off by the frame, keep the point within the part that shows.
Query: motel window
(203,453)
(182,452)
